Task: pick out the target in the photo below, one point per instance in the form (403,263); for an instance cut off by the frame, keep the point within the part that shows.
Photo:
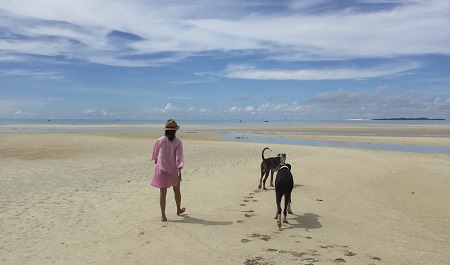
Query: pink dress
(170,159)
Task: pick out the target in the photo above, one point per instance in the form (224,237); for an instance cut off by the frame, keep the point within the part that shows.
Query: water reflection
(358,145)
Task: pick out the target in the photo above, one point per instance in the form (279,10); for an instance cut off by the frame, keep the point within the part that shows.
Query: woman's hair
(170,134)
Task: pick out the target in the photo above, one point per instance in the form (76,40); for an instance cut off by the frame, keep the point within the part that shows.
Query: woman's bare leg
(177,191)
(162,203)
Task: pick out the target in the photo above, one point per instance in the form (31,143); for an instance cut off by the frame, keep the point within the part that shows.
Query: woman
(169,160)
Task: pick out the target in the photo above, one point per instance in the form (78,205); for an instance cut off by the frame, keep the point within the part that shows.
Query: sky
(224,59)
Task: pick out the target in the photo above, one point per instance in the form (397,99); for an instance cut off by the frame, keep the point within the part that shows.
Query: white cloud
(180,29)
(168,108)
(97,112)
(234,109)
(36,73)
(250,72)
(270,109)
(443,104)
(89,111)
(249,109)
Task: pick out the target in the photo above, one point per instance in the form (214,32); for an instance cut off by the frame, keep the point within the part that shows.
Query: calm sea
(244,136)
(230,122)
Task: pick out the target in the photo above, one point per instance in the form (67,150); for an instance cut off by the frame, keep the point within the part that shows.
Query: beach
(85,198)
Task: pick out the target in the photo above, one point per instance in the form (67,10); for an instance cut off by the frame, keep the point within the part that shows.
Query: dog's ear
(282,160)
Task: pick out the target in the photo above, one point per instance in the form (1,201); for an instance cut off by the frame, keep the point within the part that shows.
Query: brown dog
(271,164)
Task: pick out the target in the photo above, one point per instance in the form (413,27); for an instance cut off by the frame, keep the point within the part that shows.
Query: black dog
(284,183)
(271,165)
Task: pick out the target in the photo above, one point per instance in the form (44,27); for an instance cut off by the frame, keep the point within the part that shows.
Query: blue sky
(224,59)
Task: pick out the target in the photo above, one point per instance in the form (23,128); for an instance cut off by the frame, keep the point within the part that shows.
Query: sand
(85,198)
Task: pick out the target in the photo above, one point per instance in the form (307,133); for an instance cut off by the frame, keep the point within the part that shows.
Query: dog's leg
(287,201)
(271,178)
(266,175)
(278,218)
(279,196)
(262,174)
(278,201)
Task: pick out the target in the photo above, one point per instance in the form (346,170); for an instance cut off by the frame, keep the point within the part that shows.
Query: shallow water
(357,145)
(249,137)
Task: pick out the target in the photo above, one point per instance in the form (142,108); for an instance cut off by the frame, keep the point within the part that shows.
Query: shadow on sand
(273,188)
(306,221)
(192,220)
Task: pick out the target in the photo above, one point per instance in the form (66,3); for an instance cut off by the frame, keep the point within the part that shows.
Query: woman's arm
(155,152)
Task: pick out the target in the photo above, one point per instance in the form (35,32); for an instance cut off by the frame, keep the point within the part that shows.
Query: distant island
(409,119)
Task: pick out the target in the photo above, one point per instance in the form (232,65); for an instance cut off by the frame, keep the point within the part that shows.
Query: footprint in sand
(310,260)
(309,257)
(307,237)
(262,237)
(348,253)
(328,246)
(246,200)
(256,261)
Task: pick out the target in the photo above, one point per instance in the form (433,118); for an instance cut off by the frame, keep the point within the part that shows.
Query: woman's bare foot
(163,219)
(180,211)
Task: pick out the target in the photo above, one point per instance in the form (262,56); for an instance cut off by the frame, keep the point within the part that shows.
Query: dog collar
(284,167)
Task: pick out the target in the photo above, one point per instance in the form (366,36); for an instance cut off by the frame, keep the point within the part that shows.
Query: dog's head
(282,157)
(286,165)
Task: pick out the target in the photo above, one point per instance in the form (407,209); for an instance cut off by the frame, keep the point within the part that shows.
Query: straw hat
(171,125)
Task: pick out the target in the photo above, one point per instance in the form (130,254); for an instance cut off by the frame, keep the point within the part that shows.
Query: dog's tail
(262,154)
